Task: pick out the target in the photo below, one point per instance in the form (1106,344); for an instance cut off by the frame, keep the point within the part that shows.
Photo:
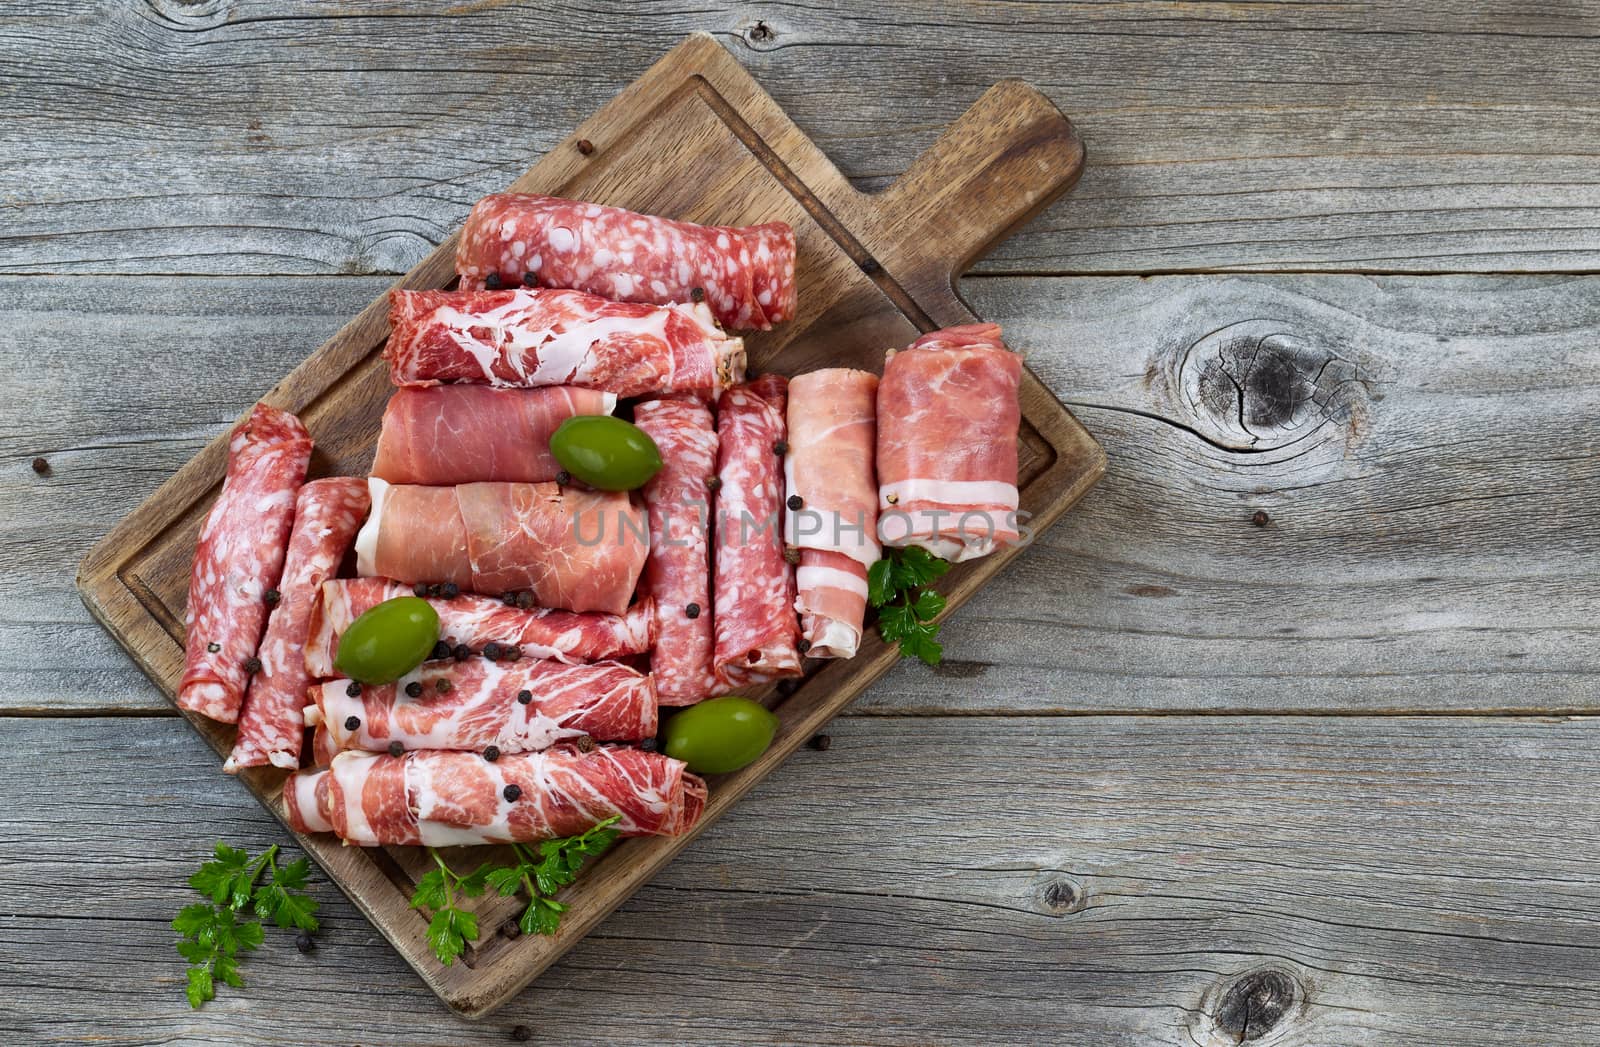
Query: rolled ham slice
(477,620)
(832,504)
(272,727)
(574,549)
(239,558)
(456,434)
(677,573)
(948,415)
(482,706)
(531,338)
(322,748)
(746,274)
(755,626)
(447,799)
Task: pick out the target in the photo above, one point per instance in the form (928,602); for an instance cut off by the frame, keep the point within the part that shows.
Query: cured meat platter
(695,138)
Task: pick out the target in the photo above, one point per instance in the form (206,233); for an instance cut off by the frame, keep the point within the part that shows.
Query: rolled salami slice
(447,799)
(832,504)
(477,620)
(322,748)
(272,727)
(575,549)
(755,626)
(483,706)
(527,339)
(307,800)
(456,434)
(948,415)
(238,558)
(745,273)
(677,573)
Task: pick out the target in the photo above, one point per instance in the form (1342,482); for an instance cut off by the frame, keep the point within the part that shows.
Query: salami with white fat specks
(745,273)
(239,557)
(677,572)
(272,727)
(755,624)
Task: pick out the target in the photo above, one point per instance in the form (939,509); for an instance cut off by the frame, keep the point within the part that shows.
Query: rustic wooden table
(1279,737)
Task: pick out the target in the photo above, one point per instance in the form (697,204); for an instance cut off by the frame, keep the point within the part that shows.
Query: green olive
(606,452)
(388,641)
(721,735)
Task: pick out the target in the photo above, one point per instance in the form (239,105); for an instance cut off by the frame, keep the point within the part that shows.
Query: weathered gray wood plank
(265,136)
(943,880)
(1430,536)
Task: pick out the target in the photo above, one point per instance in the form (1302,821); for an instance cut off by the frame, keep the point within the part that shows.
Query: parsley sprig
(539,871)
(897,586)
(213,931)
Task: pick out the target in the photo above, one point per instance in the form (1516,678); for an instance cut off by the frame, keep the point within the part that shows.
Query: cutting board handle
(998,165)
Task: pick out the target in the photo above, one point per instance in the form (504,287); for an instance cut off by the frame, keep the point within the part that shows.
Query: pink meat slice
(472,620)
(832,503)
(440,798)
(677,573)
(948,415)
(453,434)
(308,801)
(238,558)
(272,725)
(531,338)
(746,273)
(754,626)
(482,706)
(573,548)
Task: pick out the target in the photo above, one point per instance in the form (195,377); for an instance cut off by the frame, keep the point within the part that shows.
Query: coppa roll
(755,627)
(565,636)
(271,728)
(519,706)
(678,572)
(240,557)
(456,434)
(948,416)
(832,504)
(574,549)
(449,799)
(745,274)
(526,339)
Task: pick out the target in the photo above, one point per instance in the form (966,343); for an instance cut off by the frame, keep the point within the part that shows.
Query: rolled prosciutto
(832,504)
(272,727)
(239,558)
(948,415)
(447,799)
(677,573)
(755,627)
(564,636)
(746,274)
(519,706)
(531,338)
(457,434)
(575,549)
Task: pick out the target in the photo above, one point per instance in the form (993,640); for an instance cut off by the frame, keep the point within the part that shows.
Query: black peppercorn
(692,611)
(512,793)
(354,690)
(420,589)
(213,647)
(530,279)
(492,753)
(442,685)
(820,742)
(397,749)
(802,645)
(41,466)
(304,942)
(780,447)
(436,589)
(713,483)
(414,689)
(585,744)
(524,697)
(352,723)
(795,502)
(509,599)
(491,651)
(525,600)
(462,652)
(272,596)
(697,294)
(440,650)
(252,665)
(585,146)
(648,745)
(493,282)
(510,652)
(563,478)
(450,590)
(521,1033)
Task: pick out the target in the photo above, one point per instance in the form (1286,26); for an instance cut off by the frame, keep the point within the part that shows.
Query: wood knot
(1260,384)
(1252,1006)
(760,36)
(1058,895)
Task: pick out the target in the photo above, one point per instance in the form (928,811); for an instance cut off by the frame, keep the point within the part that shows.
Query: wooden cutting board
(694,138)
